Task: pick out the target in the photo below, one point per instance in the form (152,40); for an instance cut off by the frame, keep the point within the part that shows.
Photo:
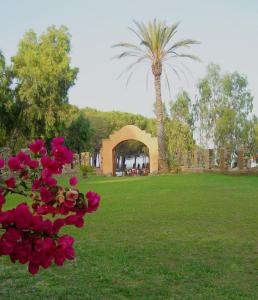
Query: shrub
(86,169)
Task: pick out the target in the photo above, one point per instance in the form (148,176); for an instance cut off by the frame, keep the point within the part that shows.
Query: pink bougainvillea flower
(14,163)
(69,203)
(46,173)
(57,141)
(45,161)
(1,163)
(35,184)
(50,181)
(64,250)
(47,227)
(73,181)
(58,223)
(29,235)
(43,151)
(93,201)
(2,200)
(46,195)
(22,216)
(76,220)
(62,154)
(36,146)
(72,195)
(33,164)
(33,268)
(23,157)
(70,199)
(12,234)
(10,182)
(54,167)
(46,209)
(60,197)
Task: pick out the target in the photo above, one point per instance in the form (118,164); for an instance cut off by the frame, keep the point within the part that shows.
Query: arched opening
(128,132)
(131,158)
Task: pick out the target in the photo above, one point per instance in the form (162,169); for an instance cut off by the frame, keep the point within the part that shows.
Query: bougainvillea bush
(30,232)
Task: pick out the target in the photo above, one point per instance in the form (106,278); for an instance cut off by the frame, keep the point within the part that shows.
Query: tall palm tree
(155,47)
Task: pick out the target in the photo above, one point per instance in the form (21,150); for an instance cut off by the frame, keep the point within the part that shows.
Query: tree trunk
(80,156)
(95,159)
(117,160)
(162,159)
(123,161)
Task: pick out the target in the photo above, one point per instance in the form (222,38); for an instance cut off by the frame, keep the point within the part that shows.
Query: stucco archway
(129,132)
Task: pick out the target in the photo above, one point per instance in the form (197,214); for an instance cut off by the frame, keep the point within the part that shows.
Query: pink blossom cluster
(31,232)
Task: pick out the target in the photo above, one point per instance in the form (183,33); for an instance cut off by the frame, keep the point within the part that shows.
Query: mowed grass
(192,236)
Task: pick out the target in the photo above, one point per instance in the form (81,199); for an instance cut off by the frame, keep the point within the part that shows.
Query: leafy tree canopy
(6,101)
(224,109)
(43,72)
(78,134)
(179,127)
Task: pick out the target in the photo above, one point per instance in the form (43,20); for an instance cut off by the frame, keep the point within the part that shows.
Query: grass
(192,236)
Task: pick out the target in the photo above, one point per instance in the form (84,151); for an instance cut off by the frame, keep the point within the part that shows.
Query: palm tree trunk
(162,159)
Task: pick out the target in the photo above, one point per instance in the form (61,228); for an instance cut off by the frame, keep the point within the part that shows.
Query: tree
(225,109)
(128,149)
(79,134)
(6,102)
(179,127)
(43,78)
(154,47)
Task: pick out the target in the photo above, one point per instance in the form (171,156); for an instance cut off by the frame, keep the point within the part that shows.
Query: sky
(227,30)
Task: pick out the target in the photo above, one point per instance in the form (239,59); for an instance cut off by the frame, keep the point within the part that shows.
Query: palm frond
(174,70)
(147,45)
(129,68)
(129,77)
(169,32)
(183,43)
(128,45)
(191,56)
(136,33)
(127,53)
(143,32)
(185,71)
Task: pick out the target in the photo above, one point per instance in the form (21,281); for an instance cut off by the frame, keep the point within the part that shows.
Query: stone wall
(209,159)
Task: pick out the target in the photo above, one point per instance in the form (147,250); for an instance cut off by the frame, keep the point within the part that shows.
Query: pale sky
(227,29)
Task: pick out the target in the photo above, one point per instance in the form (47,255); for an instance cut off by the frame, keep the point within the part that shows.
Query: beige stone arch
(129,132)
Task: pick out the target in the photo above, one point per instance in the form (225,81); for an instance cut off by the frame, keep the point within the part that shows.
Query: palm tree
(155,48)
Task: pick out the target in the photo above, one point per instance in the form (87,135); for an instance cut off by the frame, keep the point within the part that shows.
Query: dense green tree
(79,134)
(182,109)
(255,136)
(7,118)
(225,110)
(179,127)
(155,48)
(43,73)
(131,148)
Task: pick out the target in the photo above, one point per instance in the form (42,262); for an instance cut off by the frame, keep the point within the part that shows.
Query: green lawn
(192,236)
